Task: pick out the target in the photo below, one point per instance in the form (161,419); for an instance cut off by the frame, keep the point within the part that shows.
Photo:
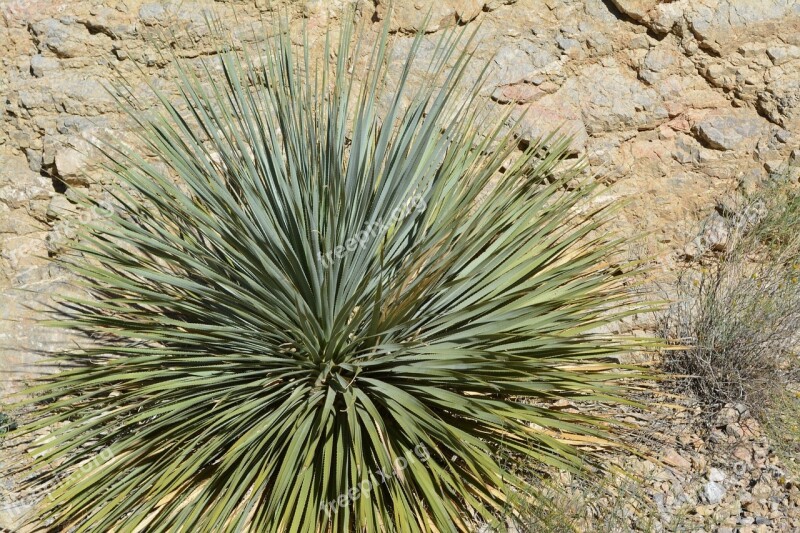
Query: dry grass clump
(736,319)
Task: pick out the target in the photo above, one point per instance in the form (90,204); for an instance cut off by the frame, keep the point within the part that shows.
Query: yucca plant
(319,309)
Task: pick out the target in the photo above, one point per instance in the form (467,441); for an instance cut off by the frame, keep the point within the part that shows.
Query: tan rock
(673,458)
(19,187)
(71,166)
(60,207)
(73,161)
(730,131)
(411,16)
(548,114)
(636,9)
(743,454)
(761,490)
(519,93)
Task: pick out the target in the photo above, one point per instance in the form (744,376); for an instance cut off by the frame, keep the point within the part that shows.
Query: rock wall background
(674,103)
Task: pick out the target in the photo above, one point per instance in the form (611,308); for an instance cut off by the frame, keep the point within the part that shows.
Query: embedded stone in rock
(36,99)
(550,113)
(566,44)
(410,16)
(659,59)
(783,54)
(61,236)
(510,64)
(729,132)
(721,22)
(783,136)
(71,166)
(636,9)
(673,458)
(19,185)
(84,97)
(665,16)
(41,65)
(152,13)
(714,492)
(716,475)
(743,454)
(715,234)
(467,10)
(609,98)
(60,207)
(761,490)
(519,93)
(65,40)
(491,5)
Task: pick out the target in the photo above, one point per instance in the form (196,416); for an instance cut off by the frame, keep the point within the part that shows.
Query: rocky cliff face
(675,103)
